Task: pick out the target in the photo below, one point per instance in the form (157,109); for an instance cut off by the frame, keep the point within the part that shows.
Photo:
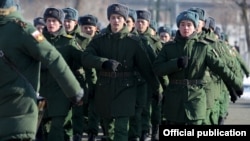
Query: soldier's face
(69,25)
(130,24)
(165,37)
(141,25)
(116,22)
(53,25)
(40,27)
(89,29)
(186,28)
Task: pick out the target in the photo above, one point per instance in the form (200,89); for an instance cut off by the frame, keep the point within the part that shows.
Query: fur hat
(88,20)
(165,29)
(132,14)
(153,25)
(54,13)
(188,15)
(71,13)
(210,23)
(143,14)
(38,20)
(200,12)
(7,3)
(118,9)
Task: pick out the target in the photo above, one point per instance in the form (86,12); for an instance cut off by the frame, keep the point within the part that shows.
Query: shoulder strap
(13,66)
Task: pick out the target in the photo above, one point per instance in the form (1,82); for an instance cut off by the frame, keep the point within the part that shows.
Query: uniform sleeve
(90,58)
(146,69)
(163,66)
(40,49)
(242,64)
(219,67)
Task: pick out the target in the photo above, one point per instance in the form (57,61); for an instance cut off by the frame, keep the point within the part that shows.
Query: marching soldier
(185,97)
(39,24)
(19,72)
(115,54)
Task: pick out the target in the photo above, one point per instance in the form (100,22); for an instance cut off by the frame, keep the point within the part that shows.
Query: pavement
(239,114)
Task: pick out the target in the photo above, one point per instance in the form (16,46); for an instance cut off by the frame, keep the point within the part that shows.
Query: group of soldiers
(134,76)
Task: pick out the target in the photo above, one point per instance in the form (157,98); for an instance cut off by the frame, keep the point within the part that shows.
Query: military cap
(188,15)
(38,21)
(173,33)
(70,13)
(54,13)
(88,20)
(132,14)
(143,14)
(164,29)
(153,25)
(200,12)
(117,9)
(217,31)
(7,3)
(210,23)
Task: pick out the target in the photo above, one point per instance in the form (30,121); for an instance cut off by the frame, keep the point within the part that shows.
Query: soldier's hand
(182,62)
(240,92)
(111,65)
(77,99)
(158,97)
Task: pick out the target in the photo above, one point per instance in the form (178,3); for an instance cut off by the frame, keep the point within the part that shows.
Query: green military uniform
(115,95)
(25,47)
(70,51)
(80,113)
(185,98)
(151,114)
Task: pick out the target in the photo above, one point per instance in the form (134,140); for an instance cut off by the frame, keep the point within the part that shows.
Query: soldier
(39,23)
(153,26)
(79,113)
(88,24)
(135,121)
(115,53)
(185,98)
(164,33)
(55,33)
(154,116)
(19,72)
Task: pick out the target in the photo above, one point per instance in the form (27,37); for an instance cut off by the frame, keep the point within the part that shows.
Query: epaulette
(155,38)
(20,23)
(133,36)
(209,39)
(68,36)
(203,42)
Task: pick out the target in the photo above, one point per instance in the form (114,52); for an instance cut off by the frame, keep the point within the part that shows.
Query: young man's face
(186,28)
(89,29)
(69,25)
(52,24)
(130,23)
(116,22)
(141,25)
(165,37)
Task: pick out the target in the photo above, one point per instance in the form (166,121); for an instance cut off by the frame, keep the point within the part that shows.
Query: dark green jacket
(115,96)
(188,102)
(19,114)
(58,103)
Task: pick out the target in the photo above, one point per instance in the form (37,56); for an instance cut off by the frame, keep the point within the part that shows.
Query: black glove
(240,92)
(111,65)
(77,100)
(182,62)
(158,97)
(233,94)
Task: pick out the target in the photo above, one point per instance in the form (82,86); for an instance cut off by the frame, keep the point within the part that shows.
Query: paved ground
(239,114)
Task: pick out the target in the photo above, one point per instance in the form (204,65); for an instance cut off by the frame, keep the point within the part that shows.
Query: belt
(186,82)
(116,74)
